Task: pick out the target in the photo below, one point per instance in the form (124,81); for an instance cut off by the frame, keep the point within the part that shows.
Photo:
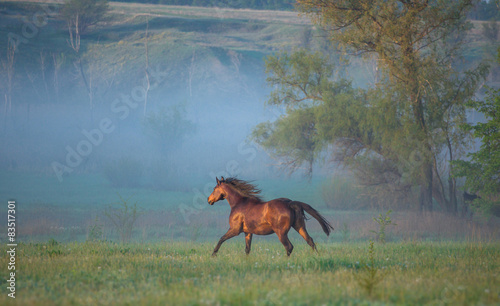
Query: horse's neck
(233,197)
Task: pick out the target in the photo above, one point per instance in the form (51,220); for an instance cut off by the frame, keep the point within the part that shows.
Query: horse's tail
(327,227)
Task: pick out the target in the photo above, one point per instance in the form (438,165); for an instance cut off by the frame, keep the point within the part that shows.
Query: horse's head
(219,193)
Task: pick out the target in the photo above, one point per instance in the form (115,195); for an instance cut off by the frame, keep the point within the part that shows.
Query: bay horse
(251,215)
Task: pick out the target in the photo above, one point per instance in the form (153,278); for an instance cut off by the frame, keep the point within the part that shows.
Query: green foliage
(383,222)
(53,248)
(300,77)
(124,172)
(482,170)
(301,81)
(124,251)
(95,233)
(487,158)
(123,216)
(84,13)
(370,276)
(292,137)
(359,128)
(346,233)
(52,242)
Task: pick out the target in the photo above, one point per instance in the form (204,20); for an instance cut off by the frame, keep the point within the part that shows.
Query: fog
(84,130)
(216,105)
(65,139)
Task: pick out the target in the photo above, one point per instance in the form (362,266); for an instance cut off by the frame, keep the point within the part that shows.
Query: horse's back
(280,200)
(279,209)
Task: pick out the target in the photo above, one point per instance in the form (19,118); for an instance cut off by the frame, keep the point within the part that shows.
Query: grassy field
(410,273)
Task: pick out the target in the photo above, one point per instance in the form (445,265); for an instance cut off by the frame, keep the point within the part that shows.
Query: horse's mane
(244,188)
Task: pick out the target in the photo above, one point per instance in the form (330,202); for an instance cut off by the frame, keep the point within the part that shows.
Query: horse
(251,215)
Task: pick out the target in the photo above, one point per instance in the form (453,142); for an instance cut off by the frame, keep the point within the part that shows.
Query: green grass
(185,273)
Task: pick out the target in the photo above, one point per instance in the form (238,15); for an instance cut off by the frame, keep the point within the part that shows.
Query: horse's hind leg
(302,231)
(286,243)
(300,227)
(248,241)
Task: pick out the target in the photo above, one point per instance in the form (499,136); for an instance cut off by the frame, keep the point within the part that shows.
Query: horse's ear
(218,182)
(222,179)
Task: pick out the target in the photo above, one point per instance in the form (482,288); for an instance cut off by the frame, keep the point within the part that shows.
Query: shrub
(383,222)
(370,276)
(95,232)
(123,217)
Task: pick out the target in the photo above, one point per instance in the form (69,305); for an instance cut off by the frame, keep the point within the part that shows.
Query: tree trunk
(426,189)
(452,207)
(452,184)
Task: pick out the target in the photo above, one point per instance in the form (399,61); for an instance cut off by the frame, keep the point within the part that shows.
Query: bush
(383,222)
(123,217)
(95,231)
(125,172)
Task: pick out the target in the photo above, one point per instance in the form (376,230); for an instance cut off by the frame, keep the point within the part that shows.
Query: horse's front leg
(230,234)
(248,240)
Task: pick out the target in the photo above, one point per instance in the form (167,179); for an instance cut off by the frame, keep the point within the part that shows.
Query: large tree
(396,132)
(482,169)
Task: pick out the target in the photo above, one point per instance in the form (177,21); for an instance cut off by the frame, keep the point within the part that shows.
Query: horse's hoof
(214,254)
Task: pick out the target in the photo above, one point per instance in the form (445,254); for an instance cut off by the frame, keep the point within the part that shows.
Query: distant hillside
(204,49)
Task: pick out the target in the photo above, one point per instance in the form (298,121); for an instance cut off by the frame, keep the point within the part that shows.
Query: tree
(398,134)
(482,170)
(80,15)
(358,127)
